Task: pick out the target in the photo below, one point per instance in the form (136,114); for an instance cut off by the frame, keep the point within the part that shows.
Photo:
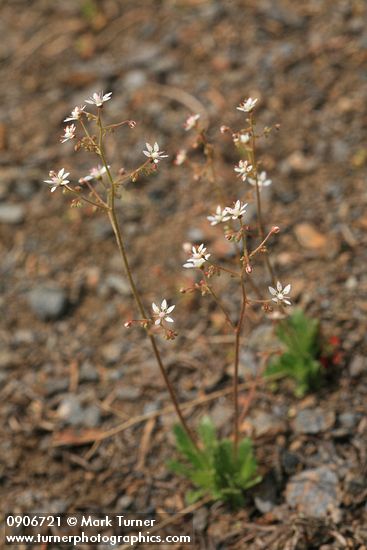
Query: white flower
(237,211)
(154,153)
(191,122)
(180,157)
(262,180)
(279,295)
(162,313)
(243,168)
(219,216)
(69,133)
(57,179)
(76,114)
(244,138)
(247,105)
(98,98)
(198,257)
(95,173)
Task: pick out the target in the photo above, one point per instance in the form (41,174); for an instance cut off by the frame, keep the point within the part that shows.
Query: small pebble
(48,302)
(12,214)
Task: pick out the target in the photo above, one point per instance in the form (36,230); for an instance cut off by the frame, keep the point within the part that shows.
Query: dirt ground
(73,387)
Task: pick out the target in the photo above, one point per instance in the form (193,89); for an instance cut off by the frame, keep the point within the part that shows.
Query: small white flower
(198,257)
(237,211)
(243,169)
(154,153)
(95,173)
(247,105)
(98,98)
(244,138)
(57,179)
(180,157)
(76,114)
(69,133)
(262,180)
(191,122)
(279,294)
(162,313)
(219,216)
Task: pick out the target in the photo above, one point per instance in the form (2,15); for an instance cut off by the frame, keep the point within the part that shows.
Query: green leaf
(187,448)
(179,468)
(193,496)
(216,471)
(206,431)
(300,334)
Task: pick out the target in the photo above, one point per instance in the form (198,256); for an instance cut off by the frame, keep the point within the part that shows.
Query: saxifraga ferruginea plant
(101,189)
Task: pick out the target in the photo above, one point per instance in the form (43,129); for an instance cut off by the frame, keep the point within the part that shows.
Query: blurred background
(69,371)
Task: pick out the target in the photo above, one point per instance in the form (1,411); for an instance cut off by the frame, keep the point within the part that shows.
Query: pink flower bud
(275,229)
(248,269)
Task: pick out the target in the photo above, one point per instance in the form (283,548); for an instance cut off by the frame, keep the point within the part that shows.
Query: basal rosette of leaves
(215,469)
(300,360)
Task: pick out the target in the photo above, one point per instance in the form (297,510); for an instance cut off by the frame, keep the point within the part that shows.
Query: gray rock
(221,414)
(11,214)
(313,421)
(91,416)
(314,492)
(88,372)
(357,366)
(25,189)
(348,419)
(124,503)
(112,352)
(195,235)
(249,367)
(56,385)
(130,393)
(267,424)
(263,338)
(48,302)
(134,80)
(70,410)
(119,284)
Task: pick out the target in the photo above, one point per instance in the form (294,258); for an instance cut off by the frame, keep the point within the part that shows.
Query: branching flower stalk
(236,231)
(258,197)
(96,145)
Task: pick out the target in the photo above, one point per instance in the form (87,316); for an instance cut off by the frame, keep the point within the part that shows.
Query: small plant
(300,361)
(220,468)
(214,469)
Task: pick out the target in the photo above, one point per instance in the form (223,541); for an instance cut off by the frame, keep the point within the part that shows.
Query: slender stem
(258,198)
(234,273)
(236,366)
(83,198)
(96,194)
(120,243)
(219,303)
(261,244)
